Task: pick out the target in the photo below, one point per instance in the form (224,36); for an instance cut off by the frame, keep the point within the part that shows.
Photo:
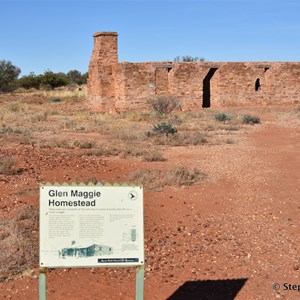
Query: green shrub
(52,80)
(76,77)
(249,119)
(164,128)
(30,81)
(5,129)
(56,100)
(222,117)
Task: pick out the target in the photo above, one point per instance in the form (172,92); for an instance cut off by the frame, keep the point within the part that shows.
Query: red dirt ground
(230,237)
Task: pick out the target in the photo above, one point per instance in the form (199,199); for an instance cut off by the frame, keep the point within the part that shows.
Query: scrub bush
(164,104)
(222,117)
(249,119)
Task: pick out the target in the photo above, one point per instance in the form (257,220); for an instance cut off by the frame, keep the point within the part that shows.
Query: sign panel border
(70,208)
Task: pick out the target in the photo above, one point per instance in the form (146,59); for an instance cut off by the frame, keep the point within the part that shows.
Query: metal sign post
(91,226)
(139,288)
(42,284)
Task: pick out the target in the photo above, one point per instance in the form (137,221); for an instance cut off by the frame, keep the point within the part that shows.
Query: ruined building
(120,86)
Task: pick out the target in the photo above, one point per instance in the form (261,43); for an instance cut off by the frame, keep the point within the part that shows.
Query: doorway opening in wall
(206,87)
(257,84)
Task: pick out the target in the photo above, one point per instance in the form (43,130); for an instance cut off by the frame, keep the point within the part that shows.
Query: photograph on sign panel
(81,250)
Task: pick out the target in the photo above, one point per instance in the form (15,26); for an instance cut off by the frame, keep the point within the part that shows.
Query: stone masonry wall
(101,81)
(114,86)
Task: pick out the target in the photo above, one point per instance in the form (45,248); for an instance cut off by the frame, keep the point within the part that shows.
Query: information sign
(91,226)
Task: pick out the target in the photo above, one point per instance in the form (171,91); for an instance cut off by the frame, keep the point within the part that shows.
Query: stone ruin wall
(114,86)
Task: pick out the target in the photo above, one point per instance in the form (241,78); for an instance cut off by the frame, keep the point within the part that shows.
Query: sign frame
(67,211)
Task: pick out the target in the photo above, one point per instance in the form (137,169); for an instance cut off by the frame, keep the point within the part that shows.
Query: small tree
(8,76)
(84,77)
(30,81)
(188,58)
(53,80)
(76,77)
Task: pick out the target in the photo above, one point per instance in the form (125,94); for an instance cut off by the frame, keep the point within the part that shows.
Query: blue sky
(57,35)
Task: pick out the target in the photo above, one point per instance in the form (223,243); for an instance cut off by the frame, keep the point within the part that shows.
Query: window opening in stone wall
(206,87)
(266,69)
(257,84)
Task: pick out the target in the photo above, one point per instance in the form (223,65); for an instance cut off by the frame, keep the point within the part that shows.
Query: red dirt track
(232,236)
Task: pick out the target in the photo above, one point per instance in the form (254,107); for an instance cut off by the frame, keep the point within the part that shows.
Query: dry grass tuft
(181,139)
(14,107)
(19,243)
(84,144)
(137,116)
(67,144)
(41,117)
(7,166)
(157,179)
(91,179)
(153,156)
(133,151)
(105,150)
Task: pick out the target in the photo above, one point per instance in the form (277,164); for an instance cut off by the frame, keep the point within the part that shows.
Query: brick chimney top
(105,33)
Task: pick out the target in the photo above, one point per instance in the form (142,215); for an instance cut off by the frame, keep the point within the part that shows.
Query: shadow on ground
(209,290)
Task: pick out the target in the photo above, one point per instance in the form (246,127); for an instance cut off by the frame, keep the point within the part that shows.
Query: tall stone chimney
(101,83)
